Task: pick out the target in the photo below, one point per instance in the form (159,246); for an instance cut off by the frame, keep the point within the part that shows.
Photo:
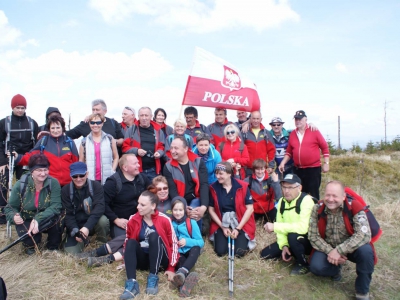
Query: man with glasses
(305,147)
(83,201)
(260,143)
(17,133)
(122,191)
(146,140)
(291,226)
(128,118)
(194,128)
(217,128)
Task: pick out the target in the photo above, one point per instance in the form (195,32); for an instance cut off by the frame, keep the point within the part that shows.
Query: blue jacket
(181,232)
(213,159)
(281,144)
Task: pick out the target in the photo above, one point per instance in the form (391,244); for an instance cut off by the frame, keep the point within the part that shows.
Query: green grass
(58,276)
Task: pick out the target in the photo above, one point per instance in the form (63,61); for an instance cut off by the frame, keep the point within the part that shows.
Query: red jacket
(132,143)
(240,209)
(217,131)
(308,153)
(264,200)
(165,230)
(232,150)
(260,146)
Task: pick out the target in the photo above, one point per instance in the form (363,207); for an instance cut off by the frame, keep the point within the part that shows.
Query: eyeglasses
(78,176)
(164,188)
(276,125)
(129,108)
(96,122)
(230,132)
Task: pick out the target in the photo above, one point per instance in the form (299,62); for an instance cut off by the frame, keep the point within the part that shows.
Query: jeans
(193,204)
(363,257)
(150,173)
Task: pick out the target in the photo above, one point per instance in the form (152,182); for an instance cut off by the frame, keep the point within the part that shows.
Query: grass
(57,276)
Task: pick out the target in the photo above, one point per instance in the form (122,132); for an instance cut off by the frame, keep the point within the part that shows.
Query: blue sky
(328,58)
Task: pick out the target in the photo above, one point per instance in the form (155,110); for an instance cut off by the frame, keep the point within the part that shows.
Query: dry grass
(57,276)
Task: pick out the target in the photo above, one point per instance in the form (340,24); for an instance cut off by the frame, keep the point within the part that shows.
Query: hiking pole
(231,259)
(10,169)
(46,224)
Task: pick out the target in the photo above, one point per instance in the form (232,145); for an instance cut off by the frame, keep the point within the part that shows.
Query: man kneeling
(333,243)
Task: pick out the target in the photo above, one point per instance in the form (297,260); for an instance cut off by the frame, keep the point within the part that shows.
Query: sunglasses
(230,132)
(96,122)
(164,188)
(276,125)
(78,176)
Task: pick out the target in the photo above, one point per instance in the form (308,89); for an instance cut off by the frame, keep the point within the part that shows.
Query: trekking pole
(10,170)
(231,259)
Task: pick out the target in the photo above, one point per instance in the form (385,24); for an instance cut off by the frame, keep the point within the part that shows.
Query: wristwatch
(326,163)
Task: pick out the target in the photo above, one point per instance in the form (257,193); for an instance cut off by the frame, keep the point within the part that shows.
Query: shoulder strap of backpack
(31,128)
(23,184)
(118,181)
(221,146)
(43,144)
(69,141)
(241,147)
(203,128)
(112,122)
(90,186)
(297,207)
(189,226)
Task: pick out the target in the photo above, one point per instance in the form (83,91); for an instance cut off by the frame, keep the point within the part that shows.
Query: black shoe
(299,270)
(30,251)
(338,276)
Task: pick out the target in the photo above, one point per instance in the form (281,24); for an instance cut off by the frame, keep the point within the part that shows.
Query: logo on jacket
(231,79)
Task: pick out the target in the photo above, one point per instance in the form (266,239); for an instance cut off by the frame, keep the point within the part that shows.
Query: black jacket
(21,141)
(76,216)
(123,204)
(110,126)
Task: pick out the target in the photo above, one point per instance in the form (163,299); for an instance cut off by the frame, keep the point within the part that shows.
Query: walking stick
(10,181)
(231,260)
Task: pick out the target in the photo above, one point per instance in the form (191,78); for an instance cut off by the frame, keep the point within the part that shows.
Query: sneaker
(299,270)
(85,255)
(338,276)
(152,284)
(131,290)
(178,279)
(362,296)
(190,281)
(98,261)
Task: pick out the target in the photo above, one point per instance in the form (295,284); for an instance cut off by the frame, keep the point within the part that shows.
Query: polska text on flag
(214,82)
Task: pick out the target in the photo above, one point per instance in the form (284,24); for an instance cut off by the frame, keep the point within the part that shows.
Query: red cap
(18,100)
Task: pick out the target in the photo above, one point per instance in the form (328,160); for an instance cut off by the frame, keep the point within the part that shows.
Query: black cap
(291,178)
(300,114)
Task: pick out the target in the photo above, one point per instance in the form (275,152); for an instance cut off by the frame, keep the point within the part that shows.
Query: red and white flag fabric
(214,82)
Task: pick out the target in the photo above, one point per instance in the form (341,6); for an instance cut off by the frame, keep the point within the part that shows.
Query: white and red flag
(214,82)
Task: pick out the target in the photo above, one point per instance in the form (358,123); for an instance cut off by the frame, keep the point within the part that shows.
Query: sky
(328,58)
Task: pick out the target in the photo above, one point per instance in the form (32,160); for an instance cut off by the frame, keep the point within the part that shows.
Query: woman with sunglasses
(59,149)
(160,185)
(234,151)
(34,199)
(160,116)
(231,212)
(99,151)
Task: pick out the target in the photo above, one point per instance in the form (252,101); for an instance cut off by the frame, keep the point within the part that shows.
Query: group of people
(150,192)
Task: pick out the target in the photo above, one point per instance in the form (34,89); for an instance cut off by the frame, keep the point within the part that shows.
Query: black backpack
(298,203)
(118,180)
(24,182)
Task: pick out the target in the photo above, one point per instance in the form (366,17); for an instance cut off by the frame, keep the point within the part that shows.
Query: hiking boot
(98,261)
(362,296)
(178,279)
(30,251)
(338,276)
(299,270)
(152,284)
(190,281)
(131,290)
(85,255)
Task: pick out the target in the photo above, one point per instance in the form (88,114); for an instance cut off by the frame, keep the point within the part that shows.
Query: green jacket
(49,203)
(291,221)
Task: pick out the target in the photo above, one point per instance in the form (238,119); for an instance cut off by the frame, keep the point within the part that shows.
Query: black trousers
(188,260)
(310,180)
(221,243)
(18,171)
(53,238)
(135,258)
(268,217)
(299,246)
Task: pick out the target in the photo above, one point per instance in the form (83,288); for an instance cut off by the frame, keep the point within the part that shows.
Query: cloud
(197,16)
(341,68)
(71,23)
(8,34)
(32,42)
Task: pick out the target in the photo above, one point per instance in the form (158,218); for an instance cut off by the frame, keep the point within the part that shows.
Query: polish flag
(214,82)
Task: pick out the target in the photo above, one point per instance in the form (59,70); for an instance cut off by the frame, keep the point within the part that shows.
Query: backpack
(298,203)
(189,226)
(24,182)
(352,205)
(172,136)
(117,178)
(87,204)
(45,139)
(8,130)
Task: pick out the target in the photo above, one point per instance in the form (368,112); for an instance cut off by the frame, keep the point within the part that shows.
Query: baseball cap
(276,120)
(77,168)
(300,114)
(291,178)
